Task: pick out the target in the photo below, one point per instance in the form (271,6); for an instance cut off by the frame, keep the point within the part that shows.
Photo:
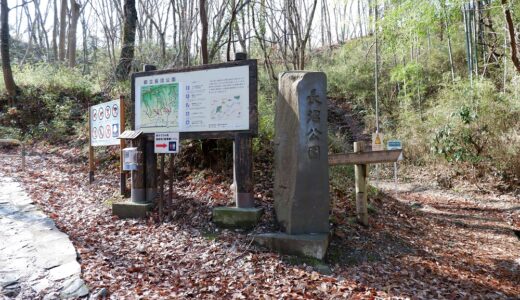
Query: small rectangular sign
(105,123)
(394,145)
(167,142)
(377,142)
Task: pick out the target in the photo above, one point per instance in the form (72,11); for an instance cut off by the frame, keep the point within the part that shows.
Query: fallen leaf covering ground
(419,245)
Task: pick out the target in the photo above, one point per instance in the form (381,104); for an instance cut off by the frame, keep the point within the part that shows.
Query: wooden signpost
(105,123)
(201,102)
(360,159)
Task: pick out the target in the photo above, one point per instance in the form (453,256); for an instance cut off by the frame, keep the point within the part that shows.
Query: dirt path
(346,124)
(469,237)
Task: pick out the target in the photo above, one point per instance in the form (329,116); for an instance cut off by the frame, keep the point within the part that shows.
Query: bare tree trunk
(63,29)
(30,35)
(204,36)
(512,35)
(302,38)
(127,49)
(55,29)
(42,33)
(10,85)
(74,7)
(84,27)
(230,32)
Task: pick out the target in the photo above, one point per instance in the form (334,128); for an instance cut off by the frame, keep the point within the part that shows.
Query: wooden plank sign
(385,156)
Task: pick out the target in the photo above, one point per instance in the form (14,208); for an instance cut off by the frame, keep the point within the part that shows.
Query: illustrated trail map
(160,105)
(193,101)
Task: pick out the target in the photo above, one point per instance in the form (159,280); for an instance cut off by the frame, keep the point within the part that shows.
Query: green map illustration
(160,105)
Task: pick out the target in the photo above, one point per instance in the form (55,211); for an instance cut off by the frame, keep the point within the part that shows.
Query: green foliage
(467,124)
(412,80)
(50,77)
(265,118)
(350,74)
(52,104)
(8,132)
(341,179)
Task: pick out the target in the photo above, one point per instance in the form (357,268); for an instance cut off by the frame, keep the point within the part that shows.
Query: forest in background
(444,74)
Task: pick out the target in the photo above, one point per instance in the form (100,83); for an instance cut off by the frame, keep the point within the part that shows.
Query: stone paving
(36,259)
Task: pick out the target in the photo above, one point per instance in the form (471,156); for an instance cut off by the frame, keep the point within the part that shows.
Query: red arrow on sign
(161,145)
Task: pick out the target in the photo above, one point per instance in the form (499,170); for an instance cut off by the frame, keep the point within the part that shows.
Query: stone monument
(301,186)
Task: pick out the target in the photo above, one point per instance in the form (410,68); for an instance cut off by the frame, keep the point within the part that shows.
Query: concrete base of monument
(129,209)
(311,245)
(235,217)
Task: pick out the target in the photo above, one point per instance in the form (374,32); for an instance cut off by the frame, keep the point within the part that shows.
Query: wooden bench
(18,143)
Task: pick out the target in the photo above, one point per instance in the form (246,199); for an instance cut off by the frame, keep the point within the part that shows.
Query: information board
(105,123)
(209,98)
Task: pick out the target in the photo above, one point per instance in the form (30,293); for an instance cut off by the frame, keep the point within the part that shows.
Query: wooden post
(91,164)
(122,144)
(243,163)
(23,156)
(150,161)
(243,170)
(161,186)
(138,194)
(150,168)
(361,187)
(170,192)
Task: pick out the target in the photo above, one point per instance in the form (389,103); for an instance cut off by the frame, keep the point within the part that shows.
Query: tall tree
(127,48)
(204,36)
(10,85)
(512,35)
(63,29)
(74,18)
(55,30)
(301,28)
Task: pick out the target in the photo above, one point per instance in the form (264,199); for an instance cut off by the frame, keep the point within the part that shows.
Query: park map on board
(160,105)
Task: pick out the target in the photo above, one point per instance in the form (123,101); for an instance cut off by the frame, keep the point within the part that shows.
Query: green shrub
(52,101)
(467,124)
